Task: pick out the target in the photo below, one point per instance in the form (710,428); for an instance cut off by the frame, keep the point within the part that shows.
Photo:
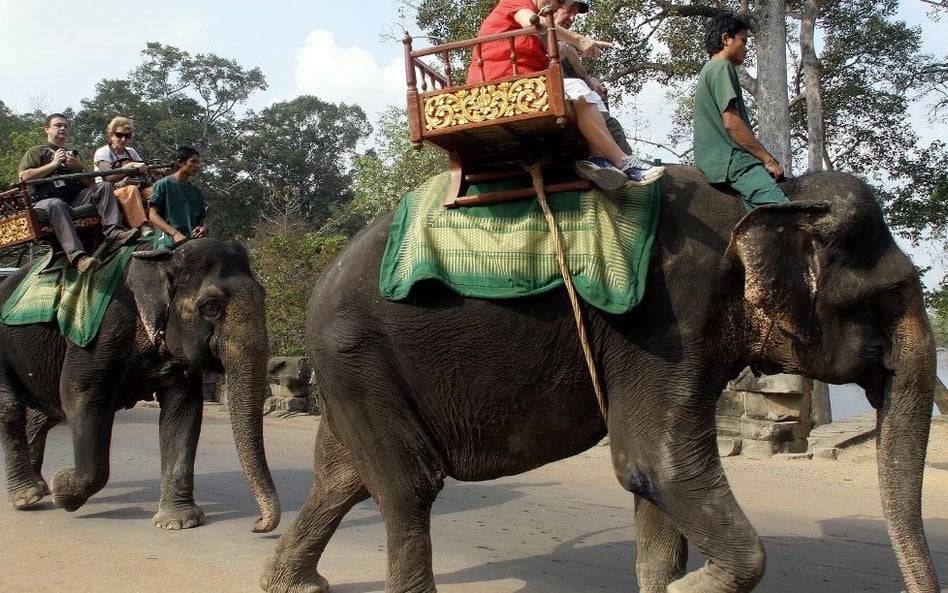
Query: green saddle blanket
(506,250)
(76,301)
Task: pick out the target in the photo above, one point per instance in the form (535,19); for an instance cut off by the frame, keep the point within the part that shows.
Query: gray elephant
(441,385)
(199,309)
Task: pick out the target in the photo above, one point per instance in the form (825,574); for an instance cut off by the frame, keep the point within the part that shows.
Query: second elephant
(197,310)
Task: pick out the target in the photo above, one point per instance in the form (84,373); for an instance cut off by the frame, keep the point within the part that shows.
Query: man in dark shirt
(56,198)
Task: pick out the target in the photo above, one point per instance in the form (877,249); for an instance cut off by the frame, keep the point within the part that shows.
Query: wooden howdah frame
(20,223)
(491,129)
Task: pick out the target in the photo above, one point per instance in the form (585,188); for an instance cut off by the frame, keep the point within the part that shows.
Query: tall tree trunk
(811,83)
(773,115)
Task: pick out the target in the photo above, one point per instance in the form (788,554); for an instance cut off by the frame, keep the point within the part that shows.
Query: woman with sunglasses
(117,154)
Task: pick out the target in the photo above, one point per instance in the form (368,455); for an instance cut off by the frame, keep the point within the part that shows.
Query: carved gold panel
(15,230)
(487,102)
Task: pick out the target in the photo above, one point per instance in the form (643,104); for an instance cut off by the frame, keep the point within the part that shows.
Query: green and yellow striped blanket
(506,250)
(76,301)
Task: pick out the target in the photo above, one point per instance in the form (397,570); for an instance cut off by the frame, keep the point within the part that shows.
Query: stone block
(728,427)
(781,383)
(773,406)
(731,404)
(755,449)
(765,430)
(729,447)
(826,453)
(286,404)
(291,376)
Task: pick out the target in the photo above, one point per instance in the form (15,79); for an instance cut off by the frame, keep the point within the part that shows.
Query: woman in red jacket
(608,166)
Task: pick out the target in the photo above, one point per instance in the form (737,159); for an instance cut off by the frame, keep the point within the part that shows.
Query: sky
(52,54)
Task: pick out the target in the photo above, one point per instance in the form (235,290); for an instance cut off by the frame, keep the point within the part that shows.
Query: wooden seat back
(489,128)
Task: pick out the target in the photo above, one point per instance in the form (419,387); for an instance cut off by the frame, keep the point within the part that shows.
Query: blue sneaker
(639,172)
(601,172)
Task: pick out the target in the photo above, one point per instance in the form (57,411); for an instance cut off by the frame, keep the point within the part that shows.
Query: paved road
(564,528)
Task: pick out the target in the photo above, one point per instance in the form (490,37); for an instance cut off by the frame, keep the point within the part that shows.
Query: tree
(305,148)
(287,261)
(383,175)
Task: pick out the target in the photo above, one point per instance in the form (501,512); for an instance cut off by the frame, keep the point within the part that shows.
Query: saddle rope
(536,173)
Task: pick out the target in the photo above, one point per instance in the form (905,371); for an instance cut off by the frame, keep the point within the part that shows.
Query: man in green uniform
(176,208)
(726,150)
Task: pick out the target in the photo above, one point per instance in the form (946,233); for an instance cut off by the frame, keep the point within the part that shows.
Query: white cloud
(338,74)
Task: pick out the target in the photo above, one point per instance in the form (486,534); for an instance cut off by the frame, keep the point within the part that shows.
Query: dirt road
(566,527)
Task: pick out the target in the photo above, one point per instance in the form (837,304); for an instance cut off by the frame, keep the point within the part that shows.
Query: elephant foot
(710,579)
(27,498)
(277,577)
(67,494)
(181,517)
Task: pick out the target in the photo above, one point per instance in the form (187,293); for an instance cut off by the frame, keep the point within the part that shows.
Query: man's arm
(587,45)
(156,220)
(568,53)
(741,133)
(40,171)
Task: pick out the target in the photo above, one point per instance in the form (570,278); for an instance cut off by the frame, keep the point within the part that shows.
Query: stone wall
(761,416)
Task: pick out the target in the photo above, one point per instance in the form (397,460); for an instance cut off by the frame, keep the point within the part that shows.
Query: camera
(73,152)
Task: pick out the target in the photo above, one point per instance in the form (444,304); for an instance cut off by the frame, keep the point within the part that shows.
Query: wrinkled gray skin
(198,310)
(441,385)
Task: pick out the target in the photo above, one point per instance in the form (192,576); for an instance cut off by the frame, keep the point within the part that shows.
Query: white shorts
(576,88)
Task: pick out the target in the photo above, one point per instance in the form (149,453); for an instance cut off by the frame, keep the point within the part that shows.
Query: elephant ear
(151,283)
(780,249)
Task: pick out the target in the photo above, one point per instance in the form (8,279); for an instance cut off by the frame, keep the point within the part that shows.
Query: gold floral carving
(14,230)
(487,102)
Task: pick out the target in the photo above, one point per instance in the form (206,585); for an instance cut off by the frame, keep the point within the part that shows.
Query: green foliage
(303,149)
(287,263)
(384,175)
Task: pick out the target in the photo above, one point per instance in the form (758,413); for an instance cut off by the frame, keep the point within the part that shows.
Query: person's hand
(774,168)
(198,232)
(178,237)
(74,163)
(597,87)
(60,156)
(592,48)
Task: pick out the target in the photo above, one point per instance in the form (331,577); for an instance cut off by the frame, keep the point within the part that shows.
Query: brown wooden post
(554,82)
(412,99)
(446,56)
(513,56)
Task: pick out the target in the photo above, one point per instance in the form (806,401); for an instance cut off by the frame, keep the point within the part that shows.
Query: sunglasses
(122,135)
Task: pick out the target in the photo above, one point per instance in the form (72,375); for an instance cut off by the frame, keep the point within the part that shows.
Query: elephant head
(202,308)
(829,295)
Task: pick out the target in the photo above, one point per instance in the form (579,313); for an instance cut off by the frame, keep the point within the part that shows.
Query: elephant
(439,385)
(170,319)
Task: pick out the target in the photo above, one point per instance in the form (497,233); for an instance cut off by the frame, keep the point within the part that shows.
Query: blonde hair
(119,122)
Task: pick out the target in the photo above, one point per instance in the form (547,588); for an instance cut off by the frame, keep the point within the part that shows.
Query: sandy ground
(564,527)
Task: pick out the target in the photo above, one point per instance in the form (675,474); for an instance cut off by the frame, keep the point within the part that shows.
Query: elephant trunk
(244,358)
(904,422)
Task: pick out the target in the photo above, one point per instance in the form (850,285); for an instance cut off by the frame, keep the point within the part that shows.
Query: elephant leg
(24,488)
(38,425)
(91,427)
(661,552)
(687,484)
(179,426)
(292,566)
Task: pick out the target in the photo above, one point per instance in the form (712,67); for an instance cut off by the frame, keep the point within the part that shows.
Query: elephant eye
(210,308)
